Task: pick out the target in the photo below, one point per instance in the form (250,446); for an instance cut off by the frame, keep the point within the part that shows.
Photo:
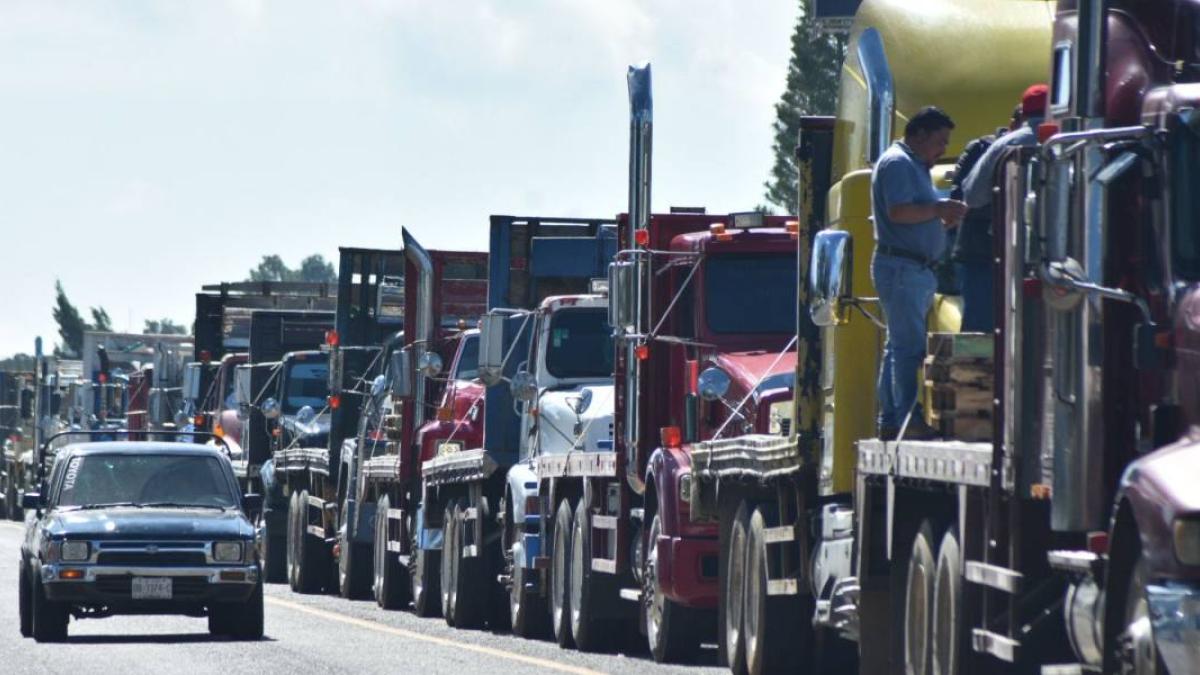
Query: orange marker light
(332,338)
(198,420)
(70,574)
(719,233)
(1045,130)
(642,352)
(641,237)
(335,402)
(793,228)
(671,437)
(445,414)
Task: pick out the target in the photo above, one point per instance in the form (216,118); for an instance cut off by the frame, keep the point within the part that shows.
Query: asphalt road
(304,634)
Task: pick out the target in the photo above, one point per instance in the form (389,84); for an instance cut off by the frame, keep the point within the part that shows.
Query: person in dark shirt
(910,221)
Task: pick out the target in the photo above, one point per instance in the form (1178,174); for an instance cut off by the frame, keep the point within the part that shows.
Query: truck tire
(293,540)
(391,578)
(1130,642)
(526,608)
(671,629)
(947,634)
(591,633)
(48,619)
(918,602)
(423,575)
(469,597)
(733,589)
(560,603)
(772,641)
(310,572)
(24,601)
(273,547)
(354,562)
(12,502)
(449,560)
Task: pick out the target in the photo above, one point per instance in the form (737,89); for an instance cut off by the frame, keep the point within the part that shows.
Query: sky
(147,148)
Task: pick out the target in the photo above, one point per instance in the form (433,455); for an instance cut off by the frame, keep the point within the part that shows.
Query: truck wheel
(526,609)
(48,619)
(591,634)
(293,540)
(1133,648)
(423,574)
(917,602)
(559,575)
(273,547)
(391,585)
(946,633)
(310,573)
(671,629)
(772,641)
(470,596)
(24,603)
(733,588)
(12,503)
(450,558)
(354,573)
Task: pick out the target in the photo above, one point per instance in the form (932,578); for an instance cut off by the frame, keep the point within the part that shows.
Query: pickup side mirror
(31,501)
(829,275)
(252,502)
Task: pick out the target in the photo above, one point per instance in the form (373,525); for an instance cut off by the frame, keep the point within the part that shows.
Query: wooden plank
(960,345)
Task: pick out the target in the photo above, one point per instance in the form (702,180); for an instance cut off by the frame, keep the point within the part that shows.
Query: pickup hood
(745,369)
(560,430)
(151,523)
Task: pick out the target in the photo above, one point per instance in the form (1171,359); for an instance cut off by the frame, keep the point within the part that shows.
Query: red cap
(1033,101)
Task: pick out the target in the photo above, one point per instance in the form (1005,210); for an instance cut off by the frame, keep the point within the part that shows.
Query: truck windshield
(580,343)
(750,293)
(1185,223)
(144,479)
(307,385)
(468,359)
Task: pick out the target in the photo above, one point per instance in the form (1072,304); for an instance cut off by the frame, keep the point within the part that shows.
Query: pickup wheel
(354,563)
(733,588)
(591,633)
(310,572)
(293,540)
(24,602)
(48,619)
(391,578)
(423,575)
(671,628)
(947,632)
(772,641)
(239,621)
(560,604)
(918,604)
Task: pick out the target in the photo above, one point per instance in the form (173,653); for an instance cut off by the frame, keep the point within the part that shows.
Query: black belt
(897,252)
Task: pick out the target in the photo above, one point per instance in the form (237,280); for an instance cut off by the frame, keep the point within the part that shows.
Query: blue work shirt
(977,187)
(901,178)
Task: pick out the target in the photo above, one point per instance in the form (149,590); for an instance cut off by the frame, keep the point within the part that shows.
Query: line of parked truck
(659,428)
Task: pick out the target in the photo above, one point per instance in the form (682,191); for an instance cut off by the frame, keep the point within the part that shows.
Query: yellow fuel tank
(973,59)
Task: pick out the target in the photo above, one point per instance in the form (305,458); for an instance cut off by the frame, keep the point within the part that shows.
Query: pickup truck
(140,528)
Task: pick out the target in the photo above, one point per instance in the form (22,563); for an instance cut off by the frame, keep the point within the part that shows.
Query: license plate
(151,588)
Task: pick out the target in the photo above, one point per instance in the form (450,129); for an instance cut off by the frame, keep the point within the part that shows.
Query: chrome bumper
(1175,615)
(51,573)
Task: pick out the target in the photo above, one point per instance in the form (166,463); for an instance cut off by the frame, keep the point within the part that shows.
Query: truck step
(1076,562)
(393,546)
(317,531)
(604,566)
(783,587)
(779,535)
(993,576)
(471,514)
(631,594)
(470,551)
(604,522)
(999,646)
(1069,669)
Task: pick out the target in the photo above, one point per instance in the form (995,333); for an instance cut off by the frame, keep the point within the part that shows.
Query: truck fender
(522,483)
(663,471)
(1154,490)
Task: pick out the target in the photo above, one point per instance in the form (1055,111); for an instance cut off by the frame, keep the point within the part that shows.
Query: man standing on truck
(909,233)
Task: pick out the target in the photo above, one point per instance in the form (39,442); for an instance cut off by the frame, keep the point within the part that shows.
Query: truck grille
(151,559)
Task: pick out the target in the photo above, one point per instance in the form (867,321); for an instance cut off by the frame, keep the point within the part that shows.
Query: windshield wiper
(182,505)
(109,505)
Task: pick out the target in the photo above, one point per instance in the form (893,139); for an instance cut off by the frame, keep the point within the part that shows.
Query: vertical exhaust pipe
(420,259)
(641,133)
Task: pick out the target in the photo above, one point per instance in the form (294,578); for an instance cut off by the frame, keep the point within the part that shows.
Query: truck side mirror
(270,408)
(829,276)
(26,404)
(524,386)
(402,374)
(491,348)
(337,361)
(620,285)
(429,364)
(713,384)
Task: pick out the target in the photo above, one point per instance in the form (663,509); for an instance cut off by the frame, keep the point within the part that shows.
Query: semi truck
(809,531)
(460,523)
(16,439)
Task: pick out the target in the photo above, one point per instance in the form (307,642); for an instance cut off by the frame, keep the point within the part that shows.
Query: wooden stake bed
(458,467)
(578,464)
(954,462)
(755,455)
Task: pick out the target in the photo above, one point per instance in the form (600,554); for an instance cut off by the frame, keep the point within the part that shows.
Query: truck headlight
(449,447)
(74,551)
(227,551)
(685,487)
(1187,540)
(779,418)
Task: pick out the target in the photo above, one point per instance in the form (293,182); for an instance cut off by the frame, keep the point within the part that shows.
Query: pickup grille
(182,588)
(151,559)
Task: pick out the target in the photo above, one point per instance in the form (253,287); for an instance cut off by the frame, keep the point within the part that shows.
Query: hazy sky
(147,148)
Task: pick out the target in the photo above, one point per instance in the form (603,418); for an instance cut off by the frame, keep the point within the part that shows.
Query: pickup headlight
(227,551)
(74,551)
(1187,540)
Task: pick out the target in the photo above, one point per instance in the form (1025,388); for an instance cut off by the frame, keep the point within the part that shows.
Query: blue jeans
(906,293)
(977,298)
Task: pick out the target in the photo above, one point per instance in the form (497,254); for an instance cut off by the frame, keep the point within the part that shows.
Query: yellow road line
(443,642)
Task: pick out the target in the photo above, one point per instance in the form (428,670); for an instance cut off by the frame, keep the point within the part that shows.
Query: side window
(1060,95)
(685,309)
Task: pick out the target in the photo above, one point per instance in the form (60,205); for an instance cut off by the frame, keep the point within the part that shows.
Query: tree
(314,268)
(100,320)
(70,324)
(17,362)
(163,326)
(812,84)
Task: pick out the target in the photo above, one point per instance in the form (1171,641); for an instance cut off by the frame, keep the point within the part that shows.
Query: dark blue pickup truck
(140,528)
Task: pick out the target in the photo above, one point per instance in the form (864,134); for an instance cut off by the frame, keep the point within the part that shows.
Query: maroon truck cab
(458,424)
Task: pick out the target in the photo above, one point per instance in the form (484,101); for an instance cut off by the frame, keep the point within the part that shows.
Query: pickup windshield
(468,359)
(580,343)
(144,479)
(307,385)
(750,293)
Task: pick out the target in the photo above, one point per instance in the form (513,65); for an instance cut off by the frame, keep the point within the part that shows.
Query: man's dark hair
(928,120)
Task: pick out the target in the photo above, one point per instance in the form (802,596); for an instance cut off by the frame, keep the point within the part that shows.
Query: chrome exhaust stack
(424,336)
(641,134)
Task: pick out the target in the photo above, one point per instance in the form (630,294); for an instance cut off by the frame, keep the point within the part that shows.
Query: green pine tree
(70,323)
(812,84)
